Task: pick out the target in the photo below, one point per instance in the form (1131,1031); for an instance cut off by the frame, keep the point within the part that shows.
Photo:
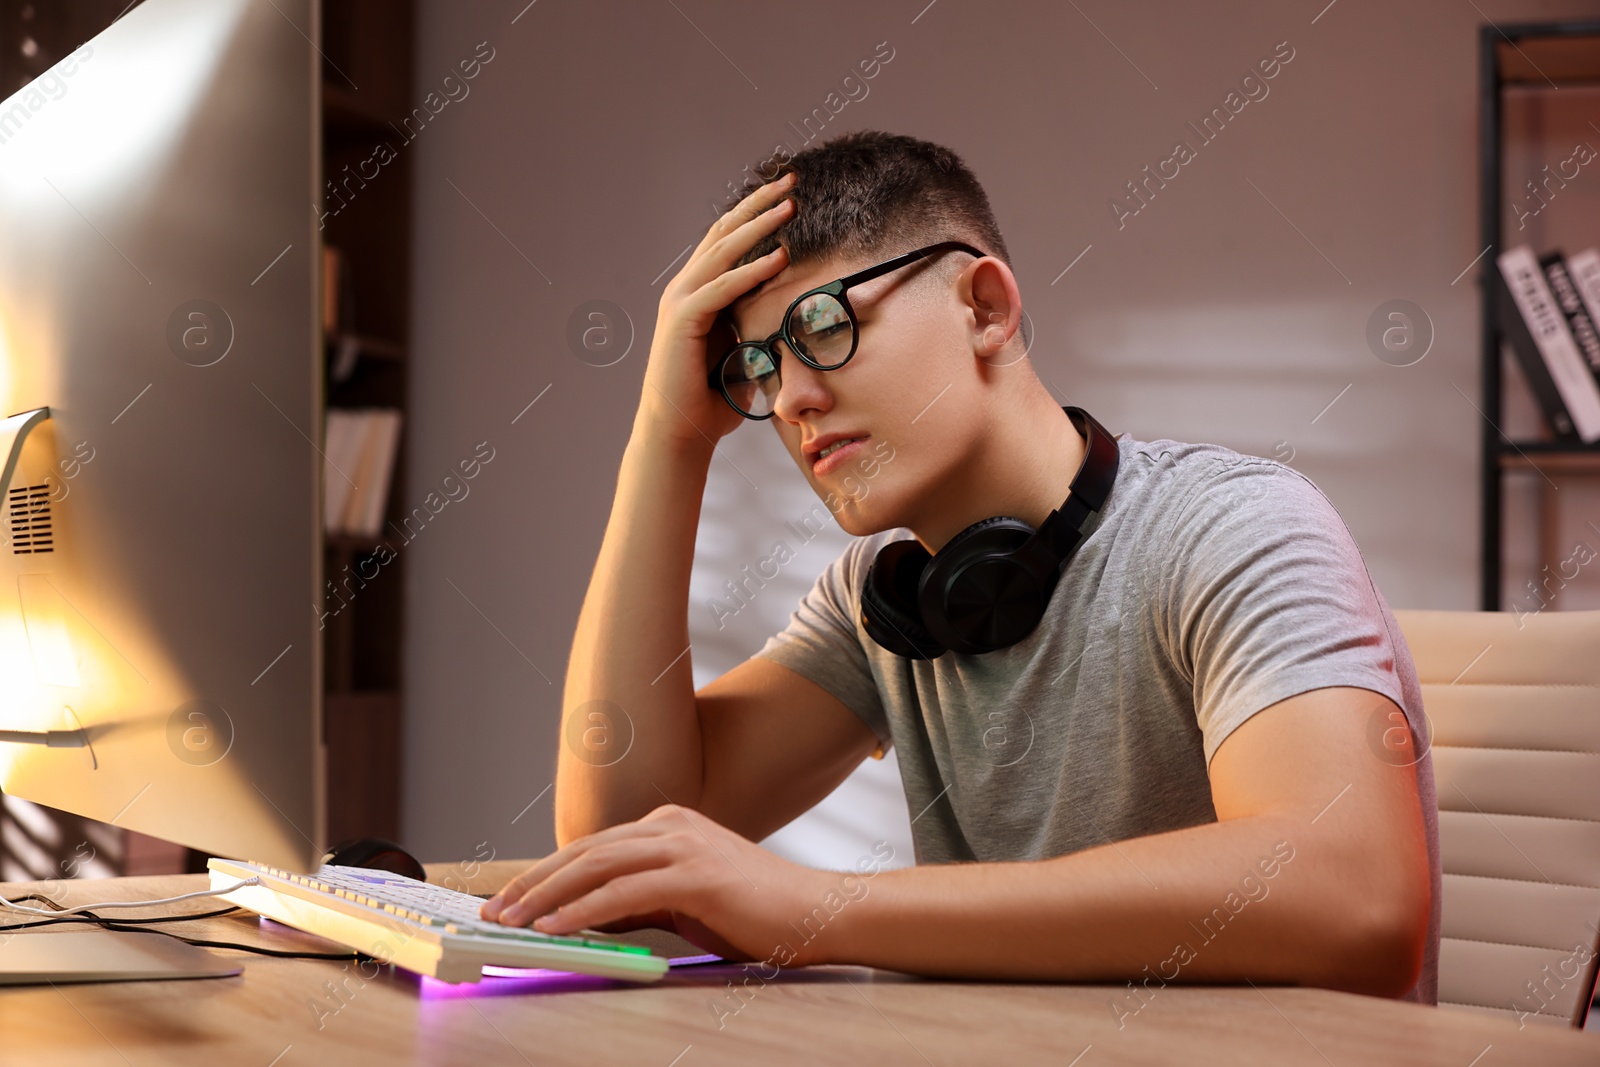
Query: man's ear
(990,289)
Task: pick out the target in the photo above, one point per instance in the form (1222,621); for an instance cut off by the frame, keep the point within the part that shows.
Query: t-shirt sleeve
(1266,596)
(822,642)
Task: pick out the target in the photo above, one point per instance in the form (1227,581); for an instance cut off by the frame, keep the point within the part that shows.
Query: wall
(1231,308)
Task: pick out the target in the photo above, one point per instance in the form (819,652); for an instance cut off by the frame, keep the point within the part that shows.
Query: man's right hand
(676,404)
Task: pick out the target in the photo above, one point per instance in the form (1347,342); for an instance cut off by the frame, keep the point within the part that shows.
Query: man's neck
(1023,468)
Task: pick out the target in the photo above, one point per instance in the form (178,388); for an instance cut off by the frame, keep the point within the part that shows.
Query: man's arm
(1315,874)
(752,749)
(627,745)
(757,746)
(774,744)
(1348,909)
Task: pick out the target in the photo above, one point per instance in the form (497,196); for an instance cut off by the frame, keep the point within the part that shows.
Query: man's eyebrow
(751,294)
(744,300)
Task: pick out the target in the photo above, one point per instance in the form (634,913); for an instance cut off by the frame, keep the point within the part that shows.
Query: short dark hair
(870,193)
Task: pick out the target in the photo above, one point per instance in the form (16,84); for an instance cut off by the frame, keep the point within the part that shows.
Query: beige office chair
(1514,705)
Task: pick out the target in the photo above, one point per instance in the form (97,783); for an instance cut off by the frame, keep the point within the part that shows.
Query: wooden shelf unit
(367,47)
(1531,57)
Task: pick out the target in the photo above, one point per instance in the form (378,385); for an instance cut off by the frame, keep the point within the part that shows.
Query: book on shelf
(1585,270)
(1558,273)
(359,459)
(340,452)
(1533,322)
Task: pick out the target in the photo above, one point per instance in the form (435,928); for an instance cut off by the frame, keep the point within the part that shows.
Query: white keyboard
(424,928)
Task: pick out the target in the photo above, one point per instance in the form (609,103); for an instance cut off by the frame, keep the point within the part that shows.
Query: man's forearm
(629,736)
(1263,898)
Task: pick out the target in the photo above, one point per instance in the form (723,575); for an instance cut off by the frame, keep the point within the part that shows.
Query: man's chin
(863,523)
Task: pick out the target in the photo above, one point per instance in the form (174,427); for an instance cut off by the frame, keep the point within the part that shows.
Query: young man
(1226,777)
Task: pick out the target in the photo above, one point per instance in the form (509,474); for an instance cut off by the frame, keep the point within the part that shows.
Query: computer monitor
(159,263)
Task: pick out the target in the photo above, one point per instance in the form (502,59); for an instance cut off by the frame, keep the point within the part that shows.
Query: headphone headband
(1062,529)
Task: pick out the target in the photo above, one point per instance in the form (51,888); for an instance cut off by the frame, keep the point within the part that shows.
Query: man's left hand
(673,869)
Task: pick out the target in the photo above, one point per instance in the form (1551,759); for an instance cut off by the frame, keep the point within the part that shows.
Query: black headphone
(989,586)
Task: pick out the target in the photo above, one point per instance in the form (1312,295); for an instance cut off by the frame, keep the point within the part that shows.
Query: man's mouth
(831,449)
(836,453)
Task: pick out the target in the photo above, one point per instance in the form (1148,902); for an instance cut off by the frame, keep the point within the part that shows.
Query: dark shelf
(362,729)
(344,110)
(349,543)
(1539,53)
(366,43)
(369,346)
(1550,448)
(1552,462)
(1515,57)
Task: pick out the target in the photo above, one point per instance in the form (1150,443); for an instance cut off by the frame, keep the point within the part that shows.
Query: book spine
(336,477)
(1585,271)
(1558,276)
(379,487)
(1556,372)
(363,450)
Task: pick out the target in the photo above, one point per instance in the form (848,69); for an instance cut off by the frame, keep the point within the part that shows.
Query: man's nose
(800,385)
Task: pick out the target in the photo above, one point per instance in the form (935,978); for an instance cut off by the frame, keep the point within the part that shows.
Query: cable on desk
(279,953)
(14,906)
(97,920)
(84,915)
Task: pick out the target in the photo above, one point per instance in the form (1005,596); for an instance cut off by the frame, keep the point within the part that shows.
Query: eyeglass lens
(822,331)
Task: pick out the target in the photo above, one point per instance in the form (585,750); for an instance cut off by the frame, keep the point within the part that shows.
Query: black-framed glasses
(819,327)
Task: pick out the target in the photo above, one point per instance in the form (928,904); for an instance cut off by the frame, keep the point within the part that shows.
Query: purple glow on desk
(505,982)
(512,981)
(515,981)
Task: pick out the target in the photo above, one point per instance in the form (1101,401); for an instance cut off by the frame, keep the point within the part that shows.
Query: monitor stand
(34,957)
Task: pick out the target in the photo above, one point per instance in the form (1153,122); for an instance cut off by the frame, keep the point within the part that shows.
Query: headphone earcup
(977,595)
(889,601)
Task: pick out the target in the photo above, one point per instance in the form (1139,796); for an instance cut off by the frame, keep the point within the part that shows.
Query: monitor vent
(30,519)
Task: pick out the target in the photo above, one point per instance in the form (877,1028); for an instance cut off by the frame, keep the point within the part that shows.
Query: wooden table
(291,1012)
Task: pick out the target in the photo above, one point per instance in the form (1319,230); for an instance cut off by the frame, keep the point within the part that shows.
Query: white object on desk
(38,956)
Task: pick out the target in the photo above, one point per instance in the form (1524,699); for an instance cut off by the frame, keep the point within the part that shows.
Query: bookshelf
(1534,57)
(366,77)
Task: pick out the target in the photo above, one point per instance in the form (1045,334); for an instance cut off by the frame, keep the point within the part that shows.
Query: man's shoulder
(1179,469)
(1190,460)
(1183,497)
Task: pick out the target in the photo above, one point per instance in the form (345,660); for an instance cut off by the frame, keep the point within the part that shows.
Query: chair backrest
(1514,706)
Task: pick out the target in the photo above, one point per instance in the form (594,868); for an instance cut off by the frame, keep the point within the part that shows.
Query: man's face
(905,393)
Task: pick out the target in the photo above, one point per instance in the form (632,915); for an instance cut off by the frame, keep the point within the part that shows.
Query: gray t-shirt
(1212,585)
